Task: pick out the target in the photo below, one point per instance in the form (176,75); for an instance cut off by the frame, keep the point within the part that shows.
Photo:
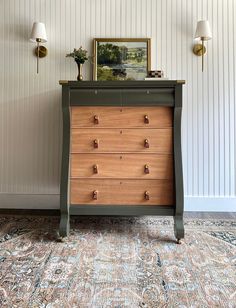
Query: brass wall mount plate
(197,49)
(42,51)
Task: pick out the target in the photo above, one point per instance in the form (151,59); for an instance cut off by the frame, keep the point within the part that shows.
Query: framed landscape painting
(121,59)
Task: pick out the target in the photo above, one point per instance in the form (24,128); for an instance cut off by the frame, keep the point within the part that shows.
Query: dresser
(122,150)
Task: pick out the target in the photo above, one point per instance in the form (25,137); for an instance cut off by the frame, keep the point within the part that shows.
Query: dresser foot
(64,225)
(61,239)
(179,228)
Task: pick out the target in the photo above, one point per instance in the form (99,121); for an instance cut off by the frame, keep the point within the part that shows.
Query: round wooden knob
(146,143)
(95,143)
(96,119)
(146,119)
(146,195)
(95,195)
(146,169)
(95,169)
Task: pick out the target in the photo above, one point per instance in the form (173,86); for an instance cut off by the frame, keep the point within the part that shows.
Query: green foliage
(110,74)
(140,54)
(105,74)
(109,54)
(79,55)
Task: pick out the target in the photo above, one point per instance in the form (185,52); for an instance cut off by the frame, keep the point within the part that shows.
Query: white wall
(30,114)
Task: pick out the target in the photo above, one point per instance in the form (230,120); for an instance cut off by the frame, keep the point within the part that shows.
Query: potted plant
(80,56)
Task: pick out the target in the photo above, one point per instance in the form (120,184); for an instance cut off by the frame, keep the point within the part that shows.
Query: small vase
(80,66)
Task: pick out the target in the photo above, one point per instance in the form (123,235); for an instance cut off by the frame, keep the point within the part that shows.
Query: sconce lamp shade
(203,30)
(38,32)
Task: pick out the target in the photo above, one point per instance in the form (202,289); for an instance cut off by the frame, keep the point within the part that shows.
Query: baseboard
(51,202)
(29,201)
(210,204)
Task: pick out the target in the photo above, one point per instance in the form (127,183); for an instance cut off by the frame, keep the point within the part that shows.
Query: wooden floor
(200,215)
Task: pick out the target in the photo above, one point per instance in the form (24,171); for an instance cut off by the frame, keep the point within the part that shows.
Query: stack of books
(156,75)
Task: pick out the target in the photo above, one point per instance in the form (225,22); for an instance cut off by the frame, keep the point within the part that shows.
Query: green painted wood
(122,84)
(123,210)
(128,93)
(148,96)
(118,97)
(95,97)
(178,226)
(64,187)
(179,189)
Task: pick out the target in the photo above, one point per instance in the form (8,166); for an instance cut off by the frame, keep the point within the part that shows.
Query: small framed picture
(121,59)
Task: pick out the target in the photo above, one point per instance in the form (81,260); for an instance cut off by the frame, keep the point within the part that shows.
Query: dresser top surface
(122,84)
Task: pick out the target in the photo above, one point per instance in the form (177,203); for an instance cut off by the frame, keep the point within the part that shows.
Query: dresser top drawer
(126,97)
(121,117)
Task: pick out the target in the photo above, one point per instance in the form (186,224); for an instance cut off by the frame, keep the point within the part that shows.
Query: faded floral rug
(116,262)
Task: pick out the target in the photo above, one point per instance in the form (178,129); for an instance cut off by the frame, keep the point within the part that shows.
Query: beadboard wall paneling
(30,104)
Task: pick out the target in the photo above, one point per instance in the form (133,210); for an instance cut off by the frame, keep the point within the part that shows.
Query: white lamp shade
(38,32)
(203,30)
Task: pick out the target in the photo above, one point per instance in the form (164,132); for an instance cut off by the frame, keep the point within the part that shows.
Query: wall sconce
(38,35)
(203,32)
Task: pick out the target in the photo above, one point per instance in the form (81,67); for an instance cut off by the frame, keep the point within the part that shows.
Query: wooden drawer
(121,192)
(155,117)
(145,166)
(122,140)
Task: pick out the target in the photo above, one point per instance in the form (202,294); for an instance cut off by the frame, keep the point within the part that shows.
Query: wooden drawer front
(122,140)
(146,166)
(122,192)
(158,117)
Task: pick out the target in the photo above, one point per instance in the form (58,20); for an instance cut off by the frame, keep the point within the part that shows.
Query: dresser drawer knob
(146,169)
(95,195)
(95,143)
(95,92)
(96,119)
(146,119)
(146,195)
(146,143)
(95,169)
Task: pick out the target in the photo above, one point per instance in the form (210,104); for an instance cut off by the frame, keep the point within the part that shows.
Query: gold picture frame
(120,61)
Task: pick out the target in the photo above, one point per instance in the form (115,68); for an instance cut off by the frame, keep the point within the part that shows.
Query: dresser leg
(179,228)
(64,225)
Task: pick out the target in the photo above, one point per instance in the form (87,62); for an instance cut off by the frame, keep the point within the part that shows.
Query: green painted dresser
(122,150)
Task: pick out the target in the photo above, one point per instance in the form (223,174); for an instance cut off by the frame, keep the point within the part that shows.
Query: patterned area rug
(117,262)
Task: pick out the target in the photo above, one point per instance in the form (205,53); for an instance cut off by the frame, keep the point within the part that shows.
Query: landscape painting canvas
(121,59)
